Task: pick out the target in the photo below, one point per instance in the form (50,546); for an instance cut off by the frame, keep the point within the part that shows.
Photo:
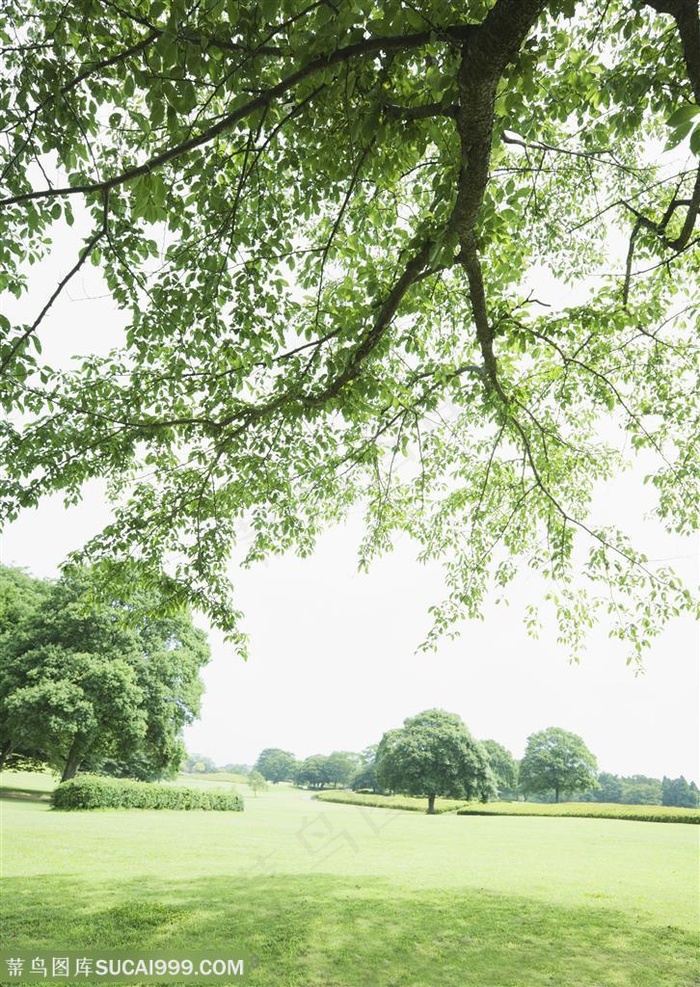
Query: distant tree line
(200,764)
(336,770)
(434,754)
(642,790)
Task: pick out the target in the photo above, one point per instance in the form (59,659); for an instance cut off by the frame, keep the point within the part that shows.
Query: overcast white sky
(332,656)
(333,664)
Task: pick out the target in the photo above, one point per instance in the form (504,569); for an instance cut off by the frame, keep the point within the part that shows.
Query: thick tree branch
(485,56)
(370,46)
(681,241)
(687,18)
(415,270)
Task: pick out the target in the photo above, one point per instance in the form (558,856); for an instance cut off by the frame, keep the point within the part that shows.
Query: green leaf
(695,141)
(683,115)
(678,135)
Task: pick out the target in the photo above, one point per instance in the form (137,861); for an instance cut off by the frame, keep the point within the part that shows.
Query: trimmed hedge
(100,792)
(581,810)
(407,803)
(585,810)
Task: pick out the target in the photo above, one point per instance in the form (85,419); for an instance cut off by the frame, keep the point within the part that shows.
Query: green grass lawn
(331,895)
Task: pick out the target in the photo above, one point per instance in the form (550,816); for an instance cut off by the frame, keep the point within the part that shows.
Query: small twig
(89,247)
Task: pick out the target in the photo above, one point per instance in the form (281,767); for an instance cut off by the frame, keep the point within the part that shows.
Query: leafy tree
(331,230)
(609,789)
(641,790)
(256,782)
(86,681)
(313,771)
(237,769)
(20,595)
(199,764)
(340,767)
(275,764)
(75,705)
(557,761)
(503,766)
(434,754)
(677,791)
(365,778)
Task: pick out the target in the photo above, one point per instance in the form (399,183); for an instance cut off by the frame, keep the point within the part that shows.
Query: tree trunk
(556,794)
(431,805)
(72,763)
(5,753)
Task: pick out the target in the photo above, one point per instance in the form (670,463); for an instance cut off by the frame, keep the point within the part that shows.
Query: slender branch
(589,156)
(414,271)
(370,46)
(85,253)
(427,111)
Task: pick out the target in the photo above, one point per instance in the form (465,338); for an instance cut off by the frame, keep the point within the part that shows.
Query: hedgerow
(99,792)
(407,803)
(600,810)
(585,810)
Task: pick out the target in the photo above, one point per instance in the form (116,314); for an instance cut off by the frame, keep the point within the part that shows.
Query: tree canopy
(433,755)
(275,764)
(84,682)
(503,766)
(557,761)
(337,234)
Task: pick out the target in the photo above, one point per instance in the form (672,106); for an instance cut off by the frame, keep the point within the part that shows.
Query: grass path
(332,896)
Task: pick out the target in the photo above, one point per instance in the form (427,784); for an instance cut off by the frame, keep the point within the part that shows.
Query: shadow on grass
(26,794)
(325,931)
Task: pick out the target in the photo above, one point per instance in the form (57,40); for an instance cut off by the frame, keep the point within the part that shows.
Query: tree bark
(5,753)
(72,762)
(431,805)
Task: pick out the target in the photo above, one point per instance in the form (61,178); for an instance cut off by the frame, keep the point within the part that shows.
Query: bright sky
(333,664)
(333,660)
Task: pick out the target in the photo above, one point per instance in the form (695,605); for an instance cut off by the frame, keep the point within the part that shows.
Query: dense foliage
(324,770)
(276,765)
(98,792)
(90,681)
(429,258)
(433,755)
(556,761)
(584,810)
(680,792)
(376,800)
(504,767)
(199,764)
(576,809)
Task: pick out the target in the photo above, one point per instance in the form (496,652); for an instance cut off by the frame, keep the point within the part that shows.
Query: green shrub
(408,803)
(585,810)
(100,792)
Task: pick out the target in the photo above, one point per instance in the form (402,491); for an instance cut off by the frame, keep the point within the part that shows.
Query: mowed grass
(332,895)
(596,810)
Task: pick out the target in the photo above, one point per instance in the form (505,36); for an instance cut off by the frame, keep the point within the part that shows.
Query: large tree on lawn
(86,679)
(334,233)
(556,761)
(275,764)
(433,755)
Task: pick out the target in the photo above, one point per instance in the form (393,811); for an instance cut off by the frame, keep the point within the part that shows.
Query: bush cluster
(635,813)
(585,810)
(408,803)
(98,792)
